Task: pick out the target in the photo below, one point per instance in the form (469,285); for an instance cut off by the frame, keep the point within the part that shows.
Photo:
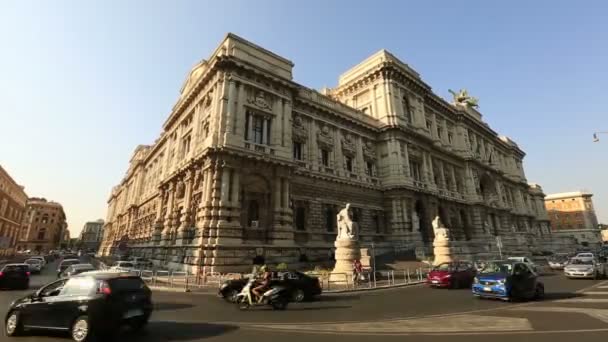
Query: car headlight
(476,280)
(501,281)
(223,286)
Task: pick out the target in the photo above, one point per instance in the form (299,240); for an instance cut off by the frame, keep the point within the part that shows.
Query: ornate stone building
(573,214)
(44,226)
(252,165)
(91,235)
(12,210)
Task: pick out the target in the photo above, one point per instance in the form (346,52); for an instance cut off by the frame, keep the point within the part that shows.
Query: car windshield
(125,264)
(443,267)
(497,267)
(32,261)
(581,262)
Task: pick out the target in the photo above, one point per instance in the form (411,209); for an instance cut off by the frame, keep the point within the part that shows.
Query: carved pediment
(261,100)
(299,130)
(324,138)
(348,145)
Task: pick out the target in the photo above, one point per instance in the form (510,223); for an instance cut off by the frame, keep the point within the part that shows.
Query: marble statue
(415,222)
(346,227)
(513,228)
(487,227)
(442,233)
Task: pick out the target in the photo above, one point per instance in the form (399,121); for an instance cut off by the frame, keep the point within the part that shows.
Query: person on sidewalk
(357,271)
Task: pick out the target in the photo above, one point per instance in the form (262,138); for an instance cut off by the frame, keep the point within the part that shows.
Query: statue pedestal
(347,251)
(443,252)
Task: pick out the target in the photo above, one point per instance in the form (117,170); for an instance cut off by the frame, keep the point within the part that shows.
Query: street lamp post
(595,135)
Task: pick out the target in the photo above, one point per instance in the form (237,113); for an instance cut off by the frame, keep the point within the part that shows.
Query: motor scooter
(277,297)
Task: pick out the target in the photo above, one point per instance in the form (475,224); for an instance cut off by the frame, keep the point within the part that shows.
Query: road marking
(601,314)
(603,287)
(581,300)
(602,293)
(591,287)
(453,324)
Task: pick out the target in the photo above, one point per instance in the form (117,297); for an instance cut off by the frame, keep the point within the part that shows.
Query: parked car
(585,255)
(15,276)
(76,269)
(301,286)
(65,263)
(123,265)
(584,268)
(41,258)
(558,262)
(35,265)
(508,280)
(86,305)
(452,274)
(526,261)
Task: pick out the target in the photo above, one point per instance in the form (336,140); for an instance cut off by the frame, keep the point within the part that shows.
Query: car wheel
(280,304)
(298,295)
(139,324)
(81,331)
(13,325)
(231,296)
(539,294)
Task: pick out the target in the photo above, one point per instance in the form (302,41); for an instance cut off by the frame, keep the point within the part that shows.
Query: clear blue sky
(83,82)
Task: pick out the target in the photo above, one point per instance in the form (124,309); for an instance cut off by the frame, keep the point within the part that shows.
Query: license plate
(487,289)
(434,281)
(134,313)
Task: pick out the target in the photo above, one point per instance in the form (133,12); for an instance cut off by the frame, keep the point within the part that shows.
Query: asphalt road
(573,309)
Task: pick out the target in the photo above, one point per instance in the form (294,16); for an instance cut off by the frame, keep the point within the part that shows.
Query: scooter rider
(264,284)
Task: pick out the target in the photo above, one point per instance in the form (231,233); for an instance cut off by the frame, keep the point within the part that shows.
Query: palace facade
(252,165)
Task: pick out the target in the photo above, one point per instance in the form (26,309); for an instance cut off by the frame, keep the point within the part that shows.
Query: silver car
(584,268)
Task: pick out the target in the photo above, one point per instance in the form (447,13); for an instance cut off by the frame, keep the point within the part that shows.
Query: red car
(452,274)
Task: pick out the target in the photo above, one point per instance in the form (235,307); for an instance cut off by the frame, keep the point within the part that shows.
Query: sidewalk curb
(385,287)
(367,289)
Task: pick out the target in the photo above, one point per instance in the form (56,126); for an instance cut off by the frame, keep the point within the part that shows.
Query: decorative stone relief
(180,189)
(260,100)
(369,150)
(324,138)
(299,130)
(348,145)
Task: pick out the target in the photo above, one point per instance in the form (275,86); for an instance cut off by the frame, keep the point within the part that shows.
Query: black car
(88,305)
(15,276)
(303,287)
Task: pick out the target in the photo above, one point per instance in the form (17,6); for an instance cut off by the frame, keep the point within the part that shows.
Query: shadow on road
(171,306)
(157,332)
(561,295)
(175,331)
(318,308)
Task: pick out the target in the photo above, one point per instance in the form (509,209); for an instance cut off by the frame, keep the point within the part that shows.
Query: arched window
(41,233)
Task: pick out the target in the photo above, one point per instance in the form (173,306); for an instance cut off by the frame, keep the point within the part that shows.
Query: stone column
(186,214)
(250,127)
(265,131)
(338,159)
(406,161)
(313,155)
(169,214)
(453,177)
(286,129)
(158,223)
(230,110)
(425,169)
(431,170)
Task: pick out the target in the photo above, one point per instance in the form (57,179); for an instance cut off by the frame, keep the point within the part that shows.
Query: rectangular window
(330,218)
(300,218)
(349,164)
(325,157)
(297,150)
(369,168)
(258,130)
(450,137)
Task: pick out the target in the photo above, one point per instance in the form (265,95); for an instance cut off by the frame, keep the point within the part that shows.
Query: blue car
(508,280)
